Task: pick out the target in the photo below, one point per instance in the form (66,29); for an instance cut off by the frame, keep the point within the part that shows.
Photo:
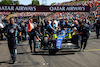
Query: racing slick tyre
(52,51)
(45,39)
(76,41)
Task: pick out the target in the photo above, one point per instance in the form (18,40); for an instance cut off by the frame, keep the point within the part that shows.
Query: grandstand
(4,14)
(94,10)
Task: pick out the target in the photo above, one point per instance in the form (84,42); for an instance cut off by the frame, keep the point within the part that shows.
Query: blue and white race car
(64,39)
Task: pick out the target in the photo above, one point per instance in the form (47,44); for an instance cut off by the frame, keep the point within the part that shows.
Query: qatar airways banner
(24,8)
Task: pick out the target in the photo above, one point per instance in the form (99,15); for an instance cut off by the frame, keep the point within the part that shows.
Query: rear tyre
(45,42)
(52,51)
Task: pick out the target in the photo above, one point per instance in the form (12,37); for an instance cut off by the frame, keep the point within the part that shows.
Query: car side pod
(68,36)
(55,36)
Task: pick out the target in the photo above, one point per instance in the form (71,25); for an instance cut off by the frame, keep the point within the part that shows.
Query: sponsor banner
(24,8)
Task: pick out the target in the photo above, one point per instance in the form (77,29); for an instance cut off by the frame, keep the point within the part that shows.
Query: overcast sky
(26,2)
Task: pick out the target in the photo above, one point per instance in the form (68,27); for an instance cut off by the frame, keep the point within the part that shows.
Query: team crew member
(11,30)
(42,27)
(35,33)
(23,27)
(49,28)
(1,34)
(84,33)
(61,24)
(67,25)
(76,24)
(97,28)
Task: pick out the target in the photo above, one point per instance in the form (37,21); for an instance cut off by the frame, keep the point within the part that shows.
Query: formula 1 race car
(64,39)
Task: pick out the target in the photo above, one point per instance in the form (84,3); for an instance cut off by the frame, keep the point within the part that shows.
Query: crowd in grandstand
(24,14)
(4,14)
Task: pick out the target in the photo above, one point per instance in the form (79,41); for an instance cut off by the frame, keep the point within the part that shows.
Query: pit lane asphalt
(64,58)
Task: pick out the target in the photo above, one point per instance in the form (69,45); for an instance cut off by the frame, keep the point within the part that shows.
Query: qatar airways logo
(67,8)
(7,8)
(18,8)
(26,8)
(75,8)
(57,8)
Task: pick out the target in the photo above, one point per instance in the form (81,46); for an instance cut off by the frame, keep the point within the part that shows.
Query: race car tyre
(52,51)
(75,39)
(46,40)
